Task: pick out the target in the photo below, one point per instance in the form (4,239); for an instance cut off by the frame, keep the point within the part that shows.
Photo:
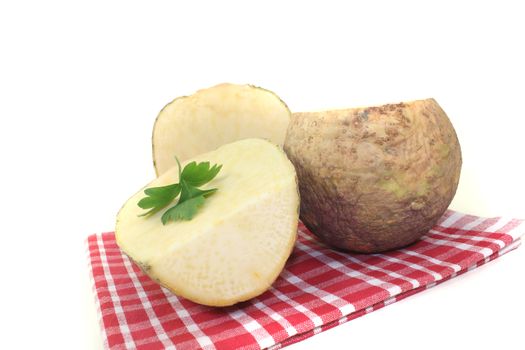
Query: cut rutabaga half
(237,243)
(212,117)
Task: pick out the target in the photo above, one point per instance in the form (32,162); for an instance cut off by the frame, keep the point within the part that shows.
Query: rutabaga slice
(238,242)
(212,117)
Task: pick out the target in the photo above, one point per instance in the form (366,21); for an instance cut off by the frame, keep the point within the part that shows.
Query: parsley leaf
(158,198)
(199,174)
(183,210)
(191,197)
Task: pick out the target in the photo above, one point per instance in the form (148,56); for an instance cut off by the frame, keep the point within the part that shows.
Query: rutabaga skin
(377,178)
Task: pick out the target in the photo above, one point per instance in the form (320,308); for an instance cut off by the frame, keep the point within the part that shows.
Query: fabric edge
(105,343)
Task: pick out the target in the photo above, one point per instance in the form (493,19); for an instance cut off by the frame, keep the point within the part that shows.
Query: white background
(81,84)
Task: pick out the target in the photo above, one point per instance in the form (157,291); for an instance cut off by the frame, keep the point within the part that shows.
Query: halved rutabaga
(212,117)
(237,244)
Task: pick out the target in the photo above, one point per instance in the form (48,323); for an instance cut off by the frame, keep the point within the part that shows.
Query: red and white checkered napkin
(319,289)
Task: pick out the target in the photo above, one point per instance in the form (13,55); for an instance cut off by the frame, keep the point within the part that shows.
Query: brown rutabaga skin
(377,178)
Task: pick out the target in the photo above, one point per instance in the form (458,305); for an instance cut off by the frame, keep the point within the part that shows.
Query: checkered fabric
(319,289)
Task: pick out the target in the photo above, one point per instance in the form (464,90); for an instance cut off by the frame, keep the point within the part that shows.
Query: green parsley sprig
(191,197)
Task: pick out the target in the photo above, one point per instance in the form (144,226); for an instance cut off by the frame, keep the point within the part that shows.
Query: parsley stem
(180,171)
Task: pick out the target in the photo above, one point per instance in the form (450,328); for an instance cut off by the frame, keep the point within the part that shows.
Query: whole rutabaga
(376,178)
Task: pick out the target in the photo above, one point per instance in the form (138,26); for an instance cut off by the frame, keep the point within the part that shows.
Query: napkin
(318,289)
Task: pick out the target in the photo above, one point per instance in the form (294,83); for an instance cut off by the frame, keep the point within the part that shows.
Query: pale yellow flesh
(237,244)
(192,125)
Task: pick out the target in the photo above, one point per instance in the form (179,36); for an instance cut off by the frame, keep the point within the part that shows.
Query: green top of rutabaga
(191,197)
